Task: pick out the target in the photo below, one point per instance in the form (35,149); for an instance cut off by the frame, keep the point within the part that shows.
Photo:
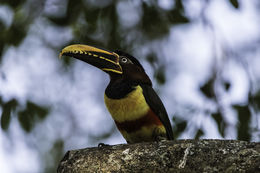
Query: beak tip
(60,55)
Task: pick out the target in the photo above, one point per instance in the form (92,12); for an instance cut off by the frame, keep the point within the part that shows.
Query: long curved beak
(102,59)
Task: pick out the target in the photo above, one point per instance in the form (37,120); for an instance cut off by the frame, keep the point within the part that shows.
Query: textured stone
(166,156)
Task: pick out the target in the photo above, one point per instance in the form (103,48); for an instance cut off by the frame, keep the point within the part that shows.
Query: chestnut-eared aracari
(137,110)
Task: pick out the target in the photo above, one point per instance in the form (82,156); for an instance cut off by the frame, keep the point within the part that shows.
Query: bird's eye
(124,60)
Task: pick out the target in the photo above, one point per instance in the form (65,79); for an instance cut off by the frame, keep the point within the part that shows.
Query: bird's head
(119,65)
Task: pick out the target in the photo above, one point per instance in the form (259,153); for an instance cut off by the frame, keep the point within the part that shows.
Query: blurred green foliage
(243,125)
(179,125)
(54,156)
(255,100)
(30,115)
(208,88)
(17,31)
(14,3)
(199,133)
(89,20)
(218,117)
(234,3)
(7,109)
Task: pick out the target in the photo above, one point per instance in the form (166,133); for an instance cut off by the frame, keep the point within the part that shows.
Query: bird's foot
(100,145)
(160,139)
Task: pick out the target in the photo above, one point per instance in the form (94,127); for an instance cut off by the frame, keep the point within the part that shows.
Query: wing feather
(155,103)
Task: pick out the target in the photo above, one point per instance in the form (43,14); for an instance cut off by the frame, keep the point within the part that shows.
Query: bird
(136,109)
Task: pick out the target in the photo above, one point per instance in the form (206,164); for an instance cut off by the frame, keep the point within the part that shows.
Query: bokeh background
(203,57)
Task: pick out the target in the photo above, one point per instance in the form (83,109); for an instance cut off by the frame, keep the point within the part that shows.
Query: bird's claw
(100,145)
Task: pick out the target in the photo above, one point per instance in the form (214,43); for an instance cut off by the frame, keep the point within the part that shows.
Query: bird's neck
(118,89)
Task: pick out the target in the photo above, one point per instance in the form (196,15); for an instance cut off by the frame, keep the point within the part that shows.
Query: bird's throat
(131,107)
(119,90)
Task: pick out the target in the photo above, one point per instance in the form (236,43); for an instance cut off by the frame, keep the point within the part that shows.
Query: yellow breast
(131,107)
